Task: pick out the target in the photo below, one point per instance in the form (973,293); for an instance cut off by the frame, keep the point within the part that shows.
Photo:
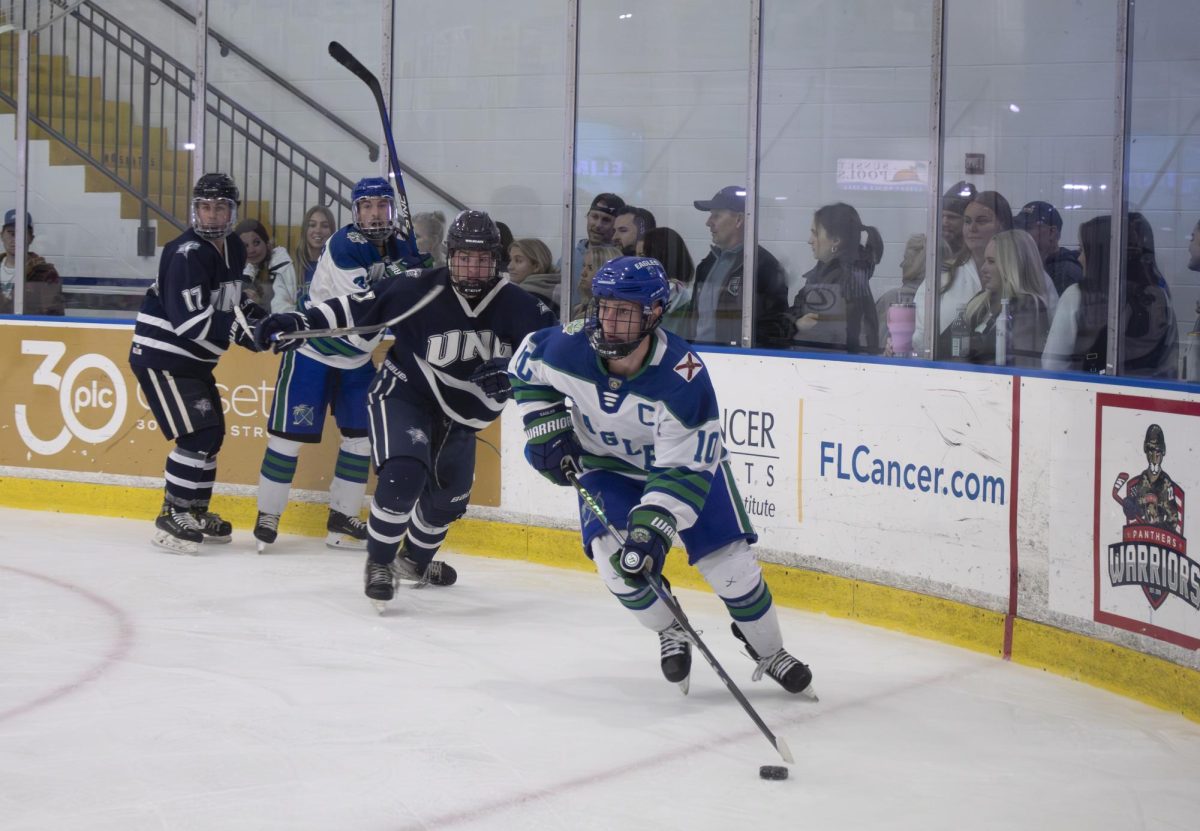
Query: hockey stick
(676,611)
(342,331)
(342,55)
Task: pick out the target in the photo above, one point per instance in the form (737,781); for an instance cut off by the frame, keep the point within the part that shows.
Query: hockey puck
(772,772)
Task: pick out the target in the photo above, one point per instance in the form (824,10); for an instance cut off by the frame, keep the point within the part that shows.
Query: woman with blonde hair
(316,229)
(593,257)
(1011,269)
(531,266)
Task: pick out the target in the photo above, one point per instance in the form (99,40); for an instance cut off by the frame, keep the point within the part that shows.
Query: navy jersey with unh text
(185,320)
(438,348)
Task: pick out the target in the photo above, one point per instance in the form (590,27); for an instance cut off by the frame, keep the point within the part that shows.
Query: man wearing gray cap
(715,313)
(1044,223)
(43,288)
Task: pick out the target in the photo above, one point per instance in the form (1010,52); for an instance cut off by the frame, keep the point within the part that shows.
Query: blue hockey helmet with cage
(374,187)
(640,280)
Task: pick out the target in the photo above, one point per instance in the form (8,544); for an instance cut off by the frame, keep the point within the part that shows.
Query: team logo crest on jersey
(689,367)
(355,236)
(573,327)
(417,435)
(302,415)
(203,406)
(1152,553)
(187,247)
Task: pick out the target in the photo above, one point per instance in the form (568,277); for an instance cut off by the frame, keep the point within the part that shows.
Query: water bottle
(1004,324)
(960,336)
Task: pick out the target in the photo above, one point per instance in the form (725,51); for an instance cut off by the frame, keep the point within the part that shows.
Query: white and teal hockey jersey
(661,425)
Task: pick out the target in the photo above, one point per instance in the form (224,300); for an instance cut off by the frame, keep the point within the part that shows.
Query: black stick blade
(342,55)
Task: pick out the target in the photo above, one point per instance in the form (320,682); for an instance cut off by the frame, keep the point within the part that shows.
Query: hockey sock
(642,601)
(276,474)
(184,475)
(350,475)
(736,577)
(400,482)
(424,538)
(205,487)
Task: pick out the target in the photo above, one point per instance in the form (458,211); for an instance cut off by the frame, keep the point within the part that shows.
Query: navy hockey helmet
(639,280)
(474,231)
(1155,441)
(376,229)
(213,190)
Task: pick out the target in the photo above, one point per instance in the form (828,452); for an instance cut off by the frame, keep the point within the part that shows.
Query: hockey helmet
(1155,441)
(474,231)
(376,229)
(639,280)
(219,189)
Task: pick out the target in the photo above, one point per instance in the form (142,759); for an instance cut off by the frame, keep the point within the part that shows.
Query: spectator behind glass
(600,217)
(317,228)
(630,227)
(531,266)
(666,246)
(984,215)
(269,271)
(430,230)
(1078,338)
(715,312)
(1193,339)
(954,203)
(1011,270)
(594,257)
(43,288)
(1044,223)
(834,309)
(912,274)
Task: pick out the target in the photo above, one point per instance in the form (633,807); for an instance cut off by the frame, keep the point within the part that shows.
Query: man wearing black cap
(1042,222)
(600,216)
(715,313)
(43,288)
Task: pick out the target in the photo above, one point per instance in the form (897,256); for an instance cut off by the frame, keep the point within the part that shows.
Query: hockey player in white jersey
(332,374)
(645,431)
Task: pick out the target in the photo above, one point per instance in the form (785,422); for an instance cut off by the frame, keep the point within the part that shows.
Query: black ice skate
(212,526)
(675,656)
(345,531)
(436,573)
(379,584)
(787,671)
(178,530)
(266,529)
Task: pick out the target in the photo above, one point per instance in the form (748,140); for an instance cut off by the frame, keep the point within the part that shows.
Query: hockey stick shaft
(343,331)
(342,55)
(676,611)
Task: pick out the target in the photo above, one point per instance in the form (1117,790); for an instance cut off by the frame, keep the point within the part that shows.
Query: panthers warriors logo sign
(1146,580)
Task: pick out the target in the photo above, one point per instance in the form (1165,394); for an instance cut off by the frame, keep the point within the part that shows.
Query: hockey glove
(549,441)
(277,324)
(651,532)
(246,316)
(492,377)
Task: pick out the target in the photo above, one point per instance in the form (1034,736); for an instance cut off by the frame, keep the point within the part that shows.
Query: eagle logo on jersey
(355,236)
(689,367)
(417,435)
(187,247)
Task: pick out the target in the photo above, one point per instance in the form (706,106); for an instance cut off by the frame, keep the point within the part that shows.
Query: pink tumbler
(901,323)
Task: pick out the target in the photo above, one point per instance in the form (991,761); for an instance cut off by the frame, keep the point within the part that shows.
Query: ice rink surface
(144,691)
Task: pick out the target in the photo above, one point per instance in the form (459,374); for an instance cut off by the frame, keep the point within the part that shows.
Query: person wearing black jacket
(715,312)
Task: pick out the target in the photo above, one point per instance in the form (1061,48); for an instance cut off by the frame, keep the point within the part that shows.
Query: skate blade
(174,545)
(218,540)
(685,685)
(334,540)
(808,694)
(261,546)
(380,606)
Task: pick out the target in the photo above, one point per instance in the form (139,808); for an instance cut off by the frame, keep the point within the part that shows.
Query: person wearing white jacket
(269,271)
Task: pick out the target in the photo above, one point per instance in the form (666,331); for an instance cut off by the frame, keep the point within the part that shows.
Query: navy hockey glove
(549,441)
(492,377)
(246,316)
(651,532)
(276,324)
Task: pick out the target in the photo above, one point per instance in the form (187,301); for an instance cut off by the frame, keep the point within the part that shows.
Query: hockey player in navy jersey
(443,380)
(645,431)
(186,322)
(332,374)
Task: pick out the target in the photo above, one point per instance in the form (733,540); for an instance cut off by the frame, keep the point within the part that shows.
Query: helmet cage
(213,231)
(610,348)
